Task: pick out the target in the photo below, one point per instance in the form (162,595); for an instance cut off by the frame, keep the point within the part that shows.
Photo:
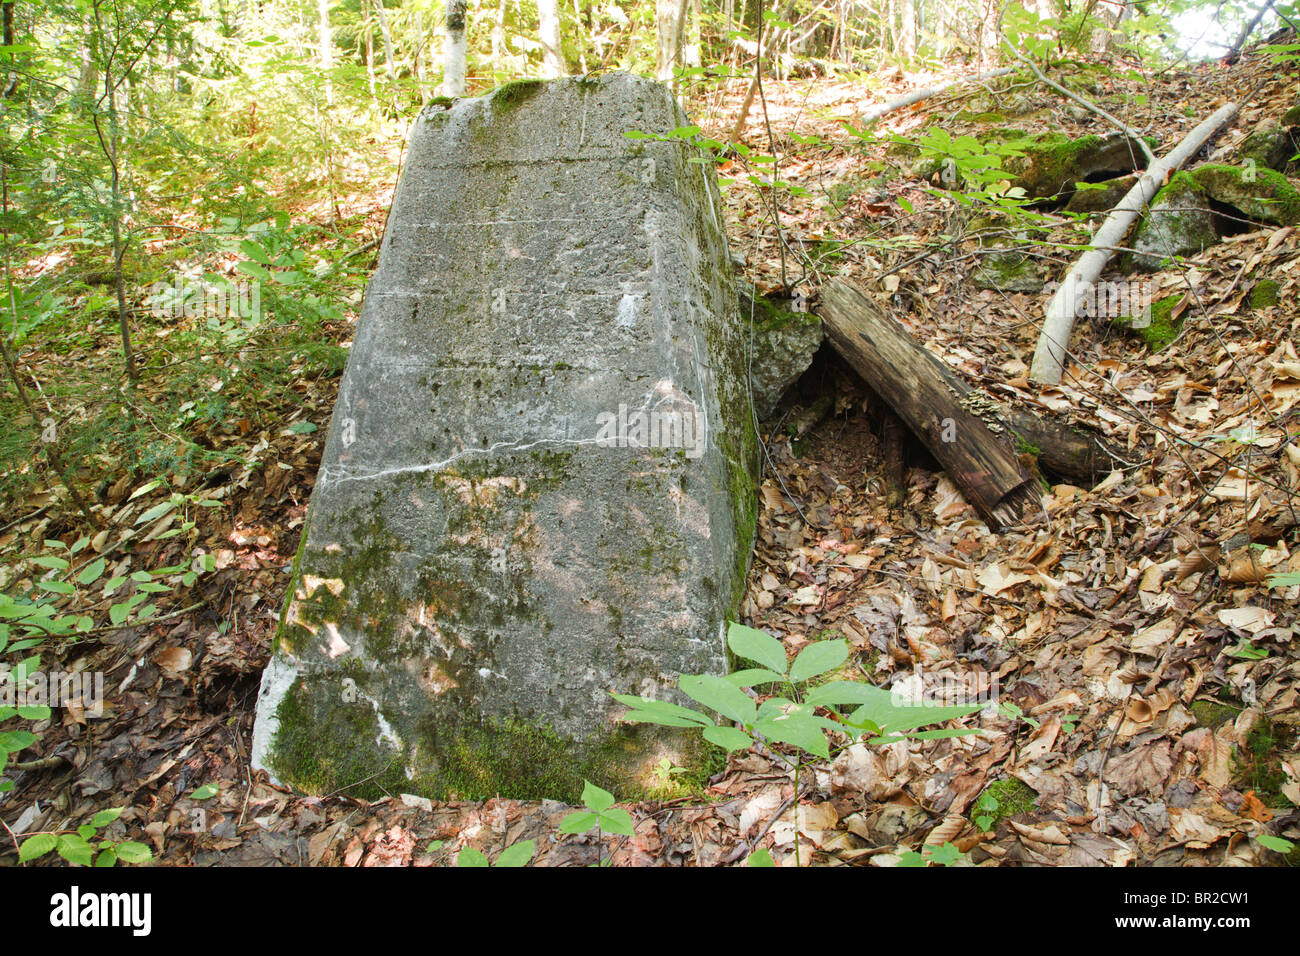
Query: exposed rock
(1099,197)
(1009,271)
(785,339)
(1269,147)
(538,485)
(1003,265)
(1197,207)
(1180,222)
(1054,161)
(1261,194)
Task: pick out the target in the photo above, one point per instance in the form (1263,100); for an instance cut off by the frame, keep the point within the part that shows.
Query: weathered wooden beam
(957,425)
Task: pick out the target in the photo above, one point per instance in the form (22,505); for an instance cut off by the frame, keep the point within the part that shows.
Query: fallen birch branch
(873,114)
(1119,124)
(1063,307)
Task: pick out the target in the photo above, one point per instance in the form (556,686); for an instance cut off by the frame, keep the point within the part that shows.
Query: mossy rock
(1180,222)
(1272,148)
(1099,197)
(1004,266)
(1054,161)
(1263,195)
(1291,118)
(1009,271)
(1198,206)
(785,339)
(971,116)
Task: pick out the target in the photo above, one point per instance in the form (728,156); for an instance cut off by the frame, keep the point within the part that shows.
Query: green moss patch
(1001,799)
(1163,327)
(1212,713)
(1264,294)
(1259,762)
(512,94)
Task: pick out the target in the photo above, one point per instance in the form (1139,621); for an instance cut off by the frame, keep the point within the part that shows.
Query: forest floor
(1148,674)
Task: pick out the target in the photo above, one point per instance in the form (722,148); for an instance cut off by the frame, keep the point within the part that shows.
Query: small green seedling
(988,804)
(515,855)
(600,814)
(946,855)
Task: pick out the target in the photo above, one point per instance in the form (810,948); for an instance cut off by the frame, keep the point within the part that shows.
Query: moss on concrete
(510,95)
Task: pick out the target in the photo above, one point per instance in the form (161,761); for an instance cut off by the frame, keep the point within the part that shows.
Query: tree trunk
(499,33)
(389,67)
(548,33)
(454,69)
(925,92)
(326,47)
(950,419)
(670,18)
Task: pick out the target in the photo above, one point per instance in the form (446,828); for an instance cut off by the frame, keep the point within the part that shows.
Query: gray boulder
(538,485)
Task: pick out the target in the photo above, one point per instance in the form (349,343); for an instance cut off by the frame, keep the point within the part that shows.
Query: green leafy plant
(988,805)
(63,588)
(663,776)
(946,855)
(1275,843)
(1284,579)
(83,846)
(799,714)
(515,855)
(792,717)
(600,814)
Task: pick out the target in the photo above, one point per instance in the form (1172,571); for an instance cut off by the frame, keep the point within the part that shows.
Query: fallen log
(1062,449)
(956,424)
(1063,307)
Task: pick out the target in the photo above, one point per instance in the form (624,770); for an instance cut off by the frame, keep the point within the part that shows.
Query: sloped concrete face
(538,485)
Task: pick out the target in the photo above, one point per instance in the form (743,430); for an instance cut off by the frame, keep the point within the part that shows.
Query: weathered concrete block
(538,482)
